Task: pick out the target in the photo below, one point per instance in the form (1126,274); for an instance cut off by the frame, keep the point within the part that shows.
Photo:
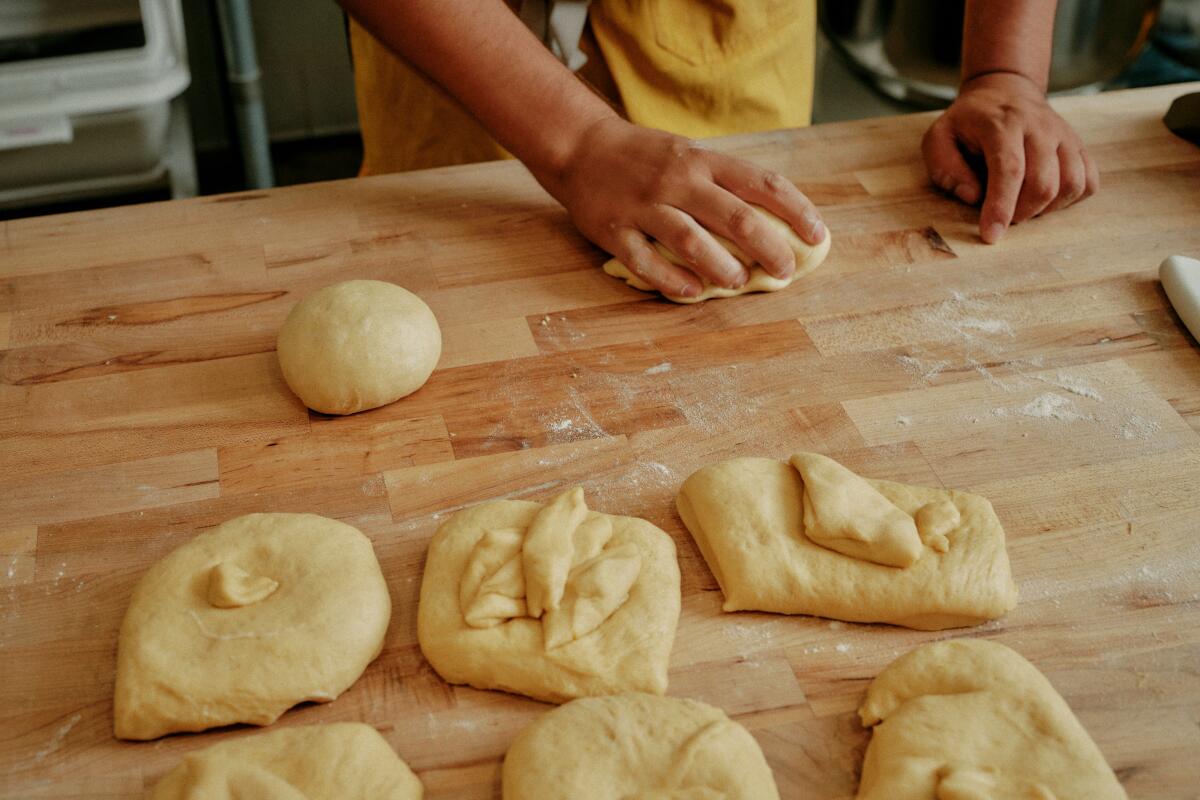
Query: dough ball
(553,602)
(636,745)
(247,620)
(811,537)
(358,345)
(808,258)
(973,719)
(342,761)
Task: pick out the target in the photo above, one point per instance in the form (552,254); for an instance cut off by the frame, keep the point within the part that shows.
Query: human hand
(624,184)
(1034,162)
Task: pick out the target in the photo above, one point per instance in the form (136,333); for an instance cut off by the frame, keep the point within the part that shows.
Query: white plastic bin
(92,121)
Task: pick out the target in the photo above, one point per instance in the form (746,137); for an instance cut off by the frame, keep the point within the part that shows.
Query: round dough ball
(636,745)
(342,761)
(358,345)
(247,620)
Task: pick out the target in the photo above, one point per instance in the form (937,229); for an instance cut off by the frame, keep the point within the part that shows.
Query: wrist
(1006,80)
(550,159)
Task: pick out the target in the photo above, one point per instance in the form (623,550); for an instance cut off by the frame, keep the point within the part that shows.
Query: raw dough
(247,620)
(636,747)
(808,258)
(553,601)
(973,720)
(834,546)
(358,345)
(342,761)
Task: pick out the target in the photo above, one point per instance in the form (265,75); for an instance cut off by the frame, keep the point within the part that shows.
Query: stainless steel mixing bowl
(910,48)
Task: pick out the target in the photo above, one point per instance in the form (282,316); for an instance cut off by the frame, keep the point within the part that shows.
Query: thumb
(947,168)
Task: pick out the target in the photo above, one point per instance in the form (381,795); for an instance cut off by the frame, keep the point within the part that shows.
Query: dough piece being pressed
(550,601)
(636,746)
(342,761)
(247,620)
(973,720)
(811,537)
(808,258)
(358,345)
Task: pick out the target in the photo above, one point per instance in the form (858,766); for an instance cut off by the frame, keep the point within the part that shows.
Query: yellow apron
(698,68)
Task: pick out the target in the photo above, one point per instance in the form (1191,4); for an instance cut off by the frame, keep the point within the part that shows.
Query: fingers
(1093,174)
(1041,185)
(1072,178)
(773,192)
(694,246)
(947,168)
(633,250)
(736,220)
(1004,153)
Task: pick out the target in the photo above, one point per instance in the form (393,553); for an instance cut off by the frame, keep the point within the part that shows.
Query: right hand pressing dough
(553,601)
(341,761)
(808,258)
(973,720)
(636,747)
(811,537)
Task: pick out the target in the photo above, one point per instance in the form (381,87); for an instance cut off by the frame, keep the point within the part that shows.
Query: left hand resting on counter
(1029,160)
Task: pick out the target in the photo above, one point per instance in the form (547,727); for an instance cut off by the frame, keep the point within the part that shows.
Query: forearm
(482,54)
(1013,36)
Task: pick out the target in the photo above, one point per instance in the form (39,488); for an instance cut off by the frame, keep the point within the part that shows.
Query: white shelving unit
(78,120)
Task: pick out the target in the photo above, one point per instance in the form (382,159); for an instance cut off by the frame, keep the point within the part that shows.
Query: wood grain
(141,403)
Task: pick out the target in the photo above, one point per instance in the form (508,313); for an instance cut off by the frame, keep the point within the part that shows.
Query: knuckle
(773,183)
(1041,189)
(1072,188)
(1010,168)
(689,246)
(743,223)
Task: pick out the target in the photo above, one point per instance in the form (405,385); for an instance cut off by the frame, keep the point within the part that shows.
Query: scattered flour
(842,647)
(995,326)
(903,420)
(60,735)
(658,369)
(1136,427)
(1051,406)
(925,370)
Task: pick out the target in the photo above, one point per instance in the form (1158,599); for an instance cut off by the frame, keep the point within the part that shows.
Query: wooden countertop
(141,402)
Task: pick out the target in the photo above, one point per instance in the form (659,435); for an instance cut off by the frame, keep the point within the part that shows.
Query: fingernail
(818,231)
(966,193)
(993,232)
(689,290)
(738,279)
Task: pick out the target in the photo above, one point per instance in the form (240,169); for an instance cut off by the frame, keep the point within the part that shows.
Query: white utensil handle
(1180,278)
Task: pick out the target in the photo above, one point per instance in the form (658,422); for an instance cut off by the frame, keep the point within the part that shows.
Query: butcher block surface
(141,403)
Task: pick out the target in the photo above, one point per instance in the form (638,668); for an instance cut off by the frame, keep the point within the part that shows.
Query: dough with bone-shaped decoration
(340,761)
(245,621)
(973,720)
(636,746)
(550,601)
(808,257)
(811,537)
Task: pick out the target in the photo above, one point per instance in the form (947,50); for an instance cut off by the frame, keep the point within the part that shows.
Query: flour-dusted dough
(636,746)
(808,258)
(755,521)
(342,761)
(247,620)
(553,601)
(973,720)
(358,345)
